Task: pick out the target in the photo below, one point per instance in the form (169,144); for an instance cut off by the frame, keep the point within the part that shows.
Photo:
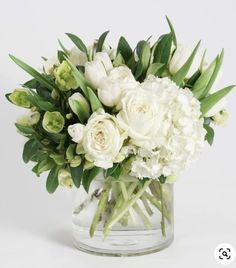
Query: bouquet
(135,117)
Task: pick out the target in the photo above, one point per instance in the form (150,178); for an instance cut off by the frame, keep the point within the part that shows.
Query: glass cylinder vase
(123,217)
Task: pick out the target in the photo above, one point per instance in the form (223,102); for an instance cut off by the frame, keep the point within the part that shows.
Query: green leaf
(79,77)
(30,149)
(155,68)
(180,75)
(45,165)
(63,48)
(114,171)
(89,175)
(124,49)
(38,101)
(162,179)
(210,134)
(70,152)
(78,42)
(202,82)
(172,31)
(192,80)
(39,77)
(119,60)
(52,180)
(144,53)
(77,174)
(94,101)
(211,100)
(163,49)
(61,56)
(58,158)
(24,129)
(100,42)
(33,84)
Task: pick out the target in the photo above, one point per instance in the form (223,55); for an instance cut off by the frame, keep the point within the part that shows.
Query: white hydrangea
(181,134)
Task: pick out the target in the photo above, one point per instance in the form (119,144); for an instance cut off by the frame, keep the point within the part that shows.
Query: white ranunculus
(77,57)
(50,64)
(179,58)
(102,139)
(221,118)
(94,73)
(141,117)
(112,88)
(76,132)
(103,57)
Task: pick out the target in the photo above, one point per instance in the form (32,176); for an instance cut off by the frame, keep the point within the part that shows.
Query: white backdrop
(35,226)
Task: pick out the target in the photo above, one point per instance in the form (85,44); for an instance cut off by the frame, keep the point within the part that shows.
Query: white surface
(34,226)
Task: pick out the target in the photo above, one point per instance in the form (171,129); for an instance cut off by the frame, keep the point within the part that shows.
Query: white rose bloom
(94,73)
(50,64)
(102,139)
(77,57)
(180,136)
(180,57)
(103,57)
(76,132)
(112,88)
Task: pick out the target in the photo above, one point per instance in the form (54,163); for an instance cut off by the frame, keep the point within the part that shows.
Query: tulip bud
(64,77)
(64,178)
(79,106)
(221,118)
(50,64)
(76,132)
(29,119)
(53,122)
(104,59)
(20,98)
(77,57)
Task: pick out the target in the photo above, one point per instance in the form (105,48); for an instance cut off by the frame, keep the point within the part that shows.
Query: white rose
(77,57)
(103,57)
(94,73)
(102,139)
(141,117)
(50,64)
(76,132)
(180,57)
(112,87)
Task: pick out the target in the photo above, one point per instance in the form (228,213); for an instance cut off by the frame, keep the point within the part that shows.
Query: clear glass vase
(123,217)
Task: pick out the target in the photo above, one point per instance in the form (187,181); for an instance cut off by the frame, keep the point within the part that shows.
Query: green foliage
(113,172)
(94,101)
(77,174)
(143,51)
(24,129)
(88,176)
(30,149)
(52,180)
(101,41)
(124,49)
(210,134)
(78,42)
(163,49)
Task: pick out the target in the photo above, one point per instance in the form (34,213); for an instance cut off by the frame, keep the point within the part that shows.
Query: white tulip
(103,57)
(94,73)
(76,132)
(112,88)
(180,57)
(78,101)
(77,57)
(102,139)
(50,64)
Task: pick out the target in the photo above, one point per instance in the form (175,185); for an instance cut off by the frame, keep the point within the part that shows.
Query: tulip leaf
(144,53)
(61,55)
(208,102)
(77,174)
(70,152)
(210,134)
(114,171)
(163,49)
(78,42)
(155,68)
(45,165)
(180,75)
(124,49)
(63,48)
(119,60)
(172,31)
(100,42)
(89,175)
(39,77)
(94,101)
(39,102)
(30,149)
(78,109)
(52,180)
(24,129)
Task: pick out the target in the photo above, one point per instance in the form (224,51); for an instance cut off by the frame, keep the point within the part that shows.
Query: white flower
(103,57)
(94,73)
(64,178)
(112,87)
(180,135)
(102,139)
(141,117)
(79,106)
(50,64)
(221,118)
(76,132)
(77,57)
(29,119)
(180,57)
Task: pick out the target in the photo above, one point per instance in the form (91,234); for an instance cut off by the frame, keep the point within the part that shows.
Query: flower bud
(64,77)
(76,132)
(221,118)
(76,161)
(20,98)
(53,122)
(29,119)
(50,64)
(64,178)
(55,95)
(88,165)
(103,57)
(77,57)
(79,106)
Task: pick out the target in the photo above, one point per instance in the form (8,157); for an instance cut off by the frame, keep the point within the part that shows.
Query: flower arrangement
(137,116)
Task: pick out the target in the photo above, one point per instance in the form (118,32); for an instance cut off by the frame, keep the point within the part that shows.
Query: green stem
(128,205)
(144,218)
(163,227)
(146,205)
(101,208)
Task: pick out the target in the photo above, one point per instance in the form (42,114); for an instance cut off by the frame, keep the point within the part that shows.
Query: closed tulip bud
(64,178)
(50,64)
(64,77)
(103,57)
(53,122)
(79,106)
(20,98)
